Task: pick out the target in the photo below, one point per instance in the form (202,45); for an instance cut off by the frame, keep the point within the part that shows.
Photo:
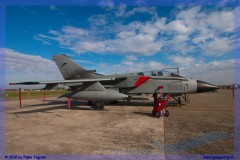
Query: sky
(200,40)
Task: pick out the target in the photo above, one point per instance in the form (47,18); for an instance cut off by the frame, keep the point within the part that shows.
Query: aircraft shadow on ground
(47,110)
(139,103)
(75,105)
(44,110)
(80,105)
(174,104)
(149,114)
(145,104)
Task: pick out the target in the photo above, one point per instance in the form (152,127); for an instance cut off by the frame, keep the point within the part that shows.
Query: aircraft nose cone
(205,87)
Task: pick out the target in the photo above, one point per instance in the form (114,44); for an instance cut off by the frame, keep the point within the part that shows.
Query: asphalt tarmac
(203,126)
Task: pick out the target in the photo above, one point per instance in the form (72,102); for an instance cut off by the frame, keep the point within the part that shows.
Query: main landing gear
(99,105)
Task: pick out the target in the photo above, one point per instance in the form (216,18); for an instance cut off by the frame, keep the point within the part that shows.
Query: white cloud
(130,67)
(190,16)
(226,3)
(127,41)
(57,10)
(204,30)
(140,2)
(129,63)
(216,72)
(131,58)
(82,47)
(107,3)
(121,10)
(52,7)
(133,42)
(83,61)
(74,31)
(23,67)
(160,24)
(141,9)
(39,38)
(218,47)
(124,13)
(98,20)
(19,62)
(209,26)
(66,37)
(221,21)
(180,38)
(179,27)
(183,61)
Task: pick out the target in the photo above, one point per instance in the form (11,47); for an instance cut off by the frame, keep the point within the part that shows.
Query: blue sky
(118,39)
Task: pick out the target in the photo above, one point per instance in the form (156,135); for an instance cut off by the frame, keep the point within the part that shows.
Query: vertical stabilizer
(68,68)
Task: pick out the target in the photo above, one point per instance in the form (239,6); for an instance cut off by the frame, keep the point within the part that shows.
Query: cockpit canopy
(158,73)
(151,73)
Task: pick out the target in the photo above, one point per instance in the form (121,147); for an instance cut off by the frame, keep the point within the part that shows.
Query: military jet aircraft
(97,88)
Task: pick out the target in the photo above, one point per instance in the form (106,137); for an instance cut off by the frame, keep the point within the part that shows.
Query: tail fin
(70,69)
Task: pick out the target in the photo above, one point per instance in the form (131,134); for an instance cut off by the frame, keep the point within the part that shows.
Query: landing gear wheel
(158,114)
(89,103)
(179,102)
(98,105)
(114,102)
(166,114)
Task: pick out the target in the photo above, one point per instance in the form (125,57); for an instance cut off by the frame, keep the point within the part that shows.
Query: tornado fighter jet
(97,88)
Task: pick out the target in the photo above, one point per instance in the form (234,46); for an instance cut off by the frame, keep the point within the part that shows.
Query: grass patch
(33,94)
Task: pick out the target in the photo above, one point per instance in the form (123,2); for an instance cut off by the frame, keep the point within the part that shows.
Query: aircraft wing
(66,81)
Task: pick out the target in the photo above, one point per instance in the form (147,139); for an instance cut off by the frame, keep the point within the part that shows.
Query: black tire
(99,105)
(101,108)
(158,114)
(166,114)
(93,107)
(114,102)
(89,103)
(179,102)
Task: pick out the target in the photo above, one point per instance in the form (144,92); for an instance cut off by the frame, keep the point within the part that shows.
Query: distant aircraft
(97,88)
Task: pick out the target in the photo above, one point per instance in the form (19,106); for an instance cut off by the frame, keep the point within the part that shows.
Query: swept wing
(65,81)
